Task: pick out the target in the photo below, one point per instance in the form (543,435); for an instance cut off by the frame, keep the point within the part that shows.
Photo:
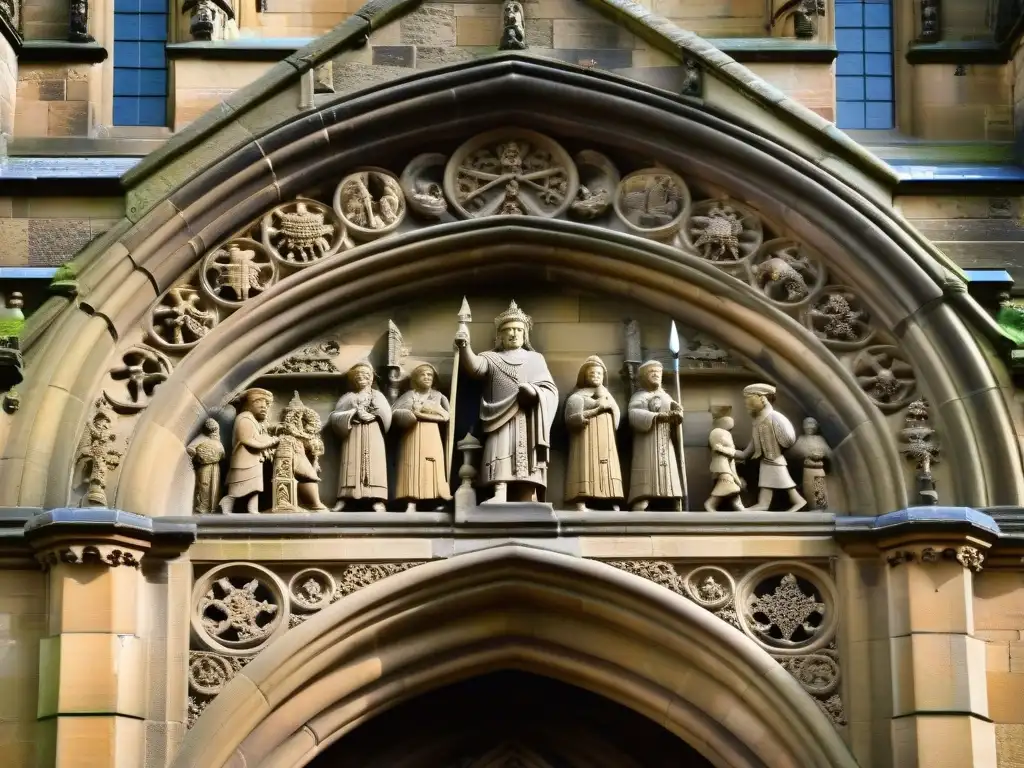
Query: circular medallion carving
(818,673)
(723,231)
(142,369)
(238,607)
(423,185)
(237,271)
(787,607)
(652,202)
(181,319)
(312,589)
(885,376)
(599,179)
(710,587)
(511,172)
(837,317)
(786,272)
(301,232)
(370,202)
(208,673)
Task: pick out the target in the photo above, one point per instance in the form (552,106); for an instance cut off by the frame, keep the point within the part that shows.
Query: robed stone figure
(361,418)
(251,446)
(517,409)
(419,414)
(654,416)
(593,473)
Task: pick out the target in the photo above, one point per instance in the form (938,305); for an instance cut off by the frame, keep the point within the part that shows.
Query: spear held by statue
(465,316)
(673,345)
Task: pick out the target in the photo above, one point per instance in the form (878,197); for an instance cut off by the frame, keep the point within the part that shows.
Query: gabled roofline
(656,30)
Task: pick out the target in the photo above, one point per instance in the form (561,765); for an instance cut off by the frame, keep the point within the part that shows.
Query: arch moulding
(515,607)
(908,293)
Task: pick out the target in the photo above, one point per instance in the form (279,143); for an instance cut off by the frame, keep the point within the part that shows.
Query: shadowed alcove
(503,717)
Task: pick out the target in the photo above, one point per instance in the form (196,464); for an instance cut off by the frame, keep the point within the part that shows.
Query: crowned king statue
(517,408)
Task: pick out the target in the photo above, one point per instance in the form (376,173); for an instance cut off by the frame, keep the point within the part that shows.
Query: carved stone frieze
(84,554)
(312,358)
(239,608)
(787,608)
(969,557)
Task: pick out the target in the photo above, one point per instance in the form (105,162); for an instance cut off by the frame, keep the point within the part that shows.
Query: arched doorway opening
(506,719)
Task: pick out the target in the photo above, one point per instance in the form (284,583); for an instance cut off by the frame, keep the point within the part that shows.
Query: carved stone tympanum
(771,434)
(251,446)
(653,416)
(517,408)
(419,415)
(593,473)
(361,418)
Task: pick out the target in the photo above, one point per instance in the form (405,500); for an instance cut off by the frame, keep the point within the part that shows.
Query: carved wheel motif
(785,272)
(301,232)
(370,202)
(237,608)
(837,318)
(710,587)
(723,231)
(181,319)
(141,370)
(885,376)
(653,202)
(237,271)
(511,172)
(312,589)
(208,673)
(788,608)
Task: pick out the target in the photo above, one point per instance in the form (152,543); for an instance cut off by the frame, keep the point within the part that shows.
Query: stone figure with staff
(517,408)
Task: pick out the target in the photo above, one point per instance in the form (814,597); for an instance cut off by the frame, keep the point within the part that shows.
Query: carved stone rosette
(788,608)
(240,608)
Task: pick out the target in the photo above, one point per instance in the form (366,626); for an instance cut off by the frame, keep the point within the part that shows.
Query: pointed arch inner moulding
(915,302)
(515,607)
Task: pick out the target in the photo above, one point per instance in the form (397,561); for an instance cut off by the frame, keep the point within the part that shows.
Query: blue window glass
(140,68)
(864,68)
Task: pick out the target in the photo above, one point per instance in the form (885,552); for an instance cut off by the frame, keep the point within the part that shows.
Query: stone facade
(508,383)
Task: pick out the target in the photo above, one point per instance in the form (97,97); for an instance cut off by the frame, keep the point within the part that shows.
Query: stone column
(93,697)
(939,692)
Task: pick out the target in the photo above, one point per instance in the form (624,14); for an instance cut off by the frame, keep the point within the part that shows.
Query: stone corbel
(926,535)
(104,537)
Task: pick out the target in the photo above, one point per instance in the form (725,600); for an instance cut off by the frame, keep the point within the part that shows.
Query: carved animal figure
(780,272)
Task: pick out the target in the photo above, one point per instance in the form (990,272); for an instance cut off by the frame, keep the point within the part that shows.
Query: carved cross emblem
(787,609)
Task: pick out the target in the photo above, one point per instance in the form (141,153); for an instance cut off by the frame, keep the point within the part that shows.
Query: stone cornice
(109,537)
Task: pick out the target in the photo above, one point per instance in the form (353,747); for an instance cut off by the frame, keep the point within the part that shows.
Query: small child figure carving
(728,483)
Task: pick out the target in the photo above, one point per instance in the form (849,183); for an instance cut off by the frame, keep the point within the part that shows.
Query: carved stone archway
(515,607)
(913,298)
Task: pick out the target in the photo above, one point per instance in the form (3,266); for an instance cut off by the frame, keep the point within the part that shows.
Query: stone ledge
(44,51)
(958,52)
(919,524)
(76,525)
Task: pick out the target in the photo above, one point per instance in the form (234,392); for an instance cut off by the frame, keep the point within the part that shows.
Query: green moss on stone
(11,328)
(1011,321)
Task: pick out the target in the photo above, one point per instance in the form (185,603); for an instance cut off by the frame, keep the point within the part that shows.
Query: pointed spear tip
(673,339)
(465,314)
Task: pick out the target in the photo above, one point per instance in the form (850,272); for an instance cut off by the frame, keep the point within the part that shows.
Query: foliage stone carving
(785,609)
(511,172)
(838,319)
(786,273)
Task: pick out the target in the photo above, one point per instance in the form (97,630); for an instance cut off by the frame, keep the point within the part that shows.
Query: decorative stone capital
(930,534)
(107,537)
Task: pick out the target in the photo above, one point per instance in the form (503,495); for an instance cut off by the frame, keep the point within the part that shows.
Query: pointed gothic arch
(515,607)
(913,296)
